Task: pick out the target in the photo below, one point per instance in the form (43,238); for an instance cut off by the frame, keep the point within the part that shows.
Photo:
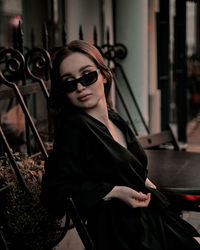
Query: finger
(141,203)
(149,195)
(148,198)
(140,196)
(136,204)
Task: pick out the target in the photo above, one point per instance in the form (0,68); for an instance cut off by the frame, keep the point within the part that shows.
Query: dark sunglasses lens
(89,78)
(69,86)
(86,80)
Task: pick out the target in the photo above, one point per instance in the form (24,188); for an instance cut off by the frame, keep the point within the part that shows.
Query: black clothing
(86,163)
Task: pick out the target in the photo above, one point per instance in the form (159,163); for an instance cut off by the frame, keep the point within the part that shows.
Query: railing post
(32,38)
(80,33)
(19,62)
(42,61)
(95,38)
(45,39)
(64,35)
(12,159)
(21,49)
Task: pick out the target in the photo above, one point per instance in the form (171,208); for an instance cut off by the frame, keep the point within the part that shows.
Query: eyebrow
(85,67)
(80,70)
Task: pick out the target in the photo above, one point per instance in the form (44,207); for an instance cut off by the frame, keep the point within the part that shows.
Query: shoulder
(115,116)
(70,130)
(69,121)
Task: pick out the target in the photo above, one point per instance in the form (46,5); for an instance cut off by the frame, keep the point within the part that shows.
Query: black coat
(86,163)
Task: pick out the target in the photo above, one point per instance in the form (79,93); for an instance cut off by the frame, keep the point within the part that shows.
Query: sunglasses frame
(72,85)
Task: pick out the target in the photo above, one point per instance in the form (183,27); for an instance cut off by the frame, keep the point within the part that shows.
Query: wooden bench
(163,139)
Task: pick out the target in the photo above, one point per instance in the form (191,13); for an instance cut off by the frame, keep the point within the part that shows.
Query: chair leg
(79,225)
(3,243)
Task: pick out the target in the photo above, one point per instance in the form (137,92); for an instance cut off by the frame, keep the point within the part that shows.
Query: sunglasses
(86,80)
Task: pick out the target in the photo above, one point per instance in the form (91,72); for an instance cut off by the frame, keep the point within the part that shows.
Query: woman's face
(89,97)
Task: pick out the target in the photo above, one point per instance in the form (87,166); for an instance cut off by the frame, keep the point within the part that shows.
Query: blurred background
(159,40)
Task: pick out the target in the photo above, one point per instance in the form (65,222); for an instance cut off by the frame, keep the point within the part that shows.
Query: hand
(148,183)
(197,239)
(131,197)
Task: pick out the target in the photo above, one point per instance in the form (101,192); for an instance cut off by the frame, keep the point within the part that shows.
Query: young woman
(98,162)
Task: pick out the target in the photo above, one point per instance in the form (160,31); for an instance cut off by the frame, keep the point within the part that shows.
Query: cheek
(70,97)
(100,88)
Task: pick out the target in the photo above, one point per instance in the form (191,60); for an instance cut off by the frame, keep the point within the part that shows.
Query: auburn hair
(59,98)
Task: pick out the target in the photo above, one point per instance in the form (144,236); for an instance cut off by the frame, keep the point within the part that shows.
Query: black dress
(86,163)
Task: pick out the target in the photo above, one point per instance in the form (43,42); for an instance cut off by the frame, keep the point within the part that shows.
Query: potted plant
(25,224)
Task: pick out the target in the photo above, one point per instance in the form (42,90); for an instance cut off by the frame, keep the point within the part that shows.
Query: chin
(87,104)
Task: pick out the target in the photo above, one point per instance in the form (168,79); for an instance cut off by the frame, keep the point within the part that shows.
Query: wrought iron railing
(34,65)
(19,67)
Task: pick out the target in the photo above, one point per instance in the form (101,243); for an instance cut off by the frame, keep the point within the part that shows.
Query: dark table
(174,171)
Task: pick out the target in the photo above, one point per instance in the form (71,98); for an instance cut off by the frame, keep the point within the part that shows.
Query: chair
(79,225)
(161,140)
(71,210)
(74,220)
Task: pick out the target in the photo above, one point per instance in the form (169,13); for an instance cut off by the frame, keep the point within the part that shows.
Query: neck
(100,113)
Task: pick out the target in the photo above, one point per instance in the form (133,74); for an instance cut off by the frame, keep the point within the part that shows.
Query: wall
(84,13)
(154,92)
(131,19)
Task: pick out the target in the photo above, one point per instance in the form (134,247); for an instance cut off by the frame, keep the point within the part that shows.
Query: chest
(117,135)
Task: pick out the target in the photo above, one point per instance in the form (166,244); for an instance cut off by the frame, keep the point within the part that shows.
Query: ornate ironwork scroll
(37,64)
(15,65)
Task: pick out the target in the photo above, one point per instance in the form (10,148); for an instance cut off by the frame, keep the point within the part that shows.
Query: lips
(83,98)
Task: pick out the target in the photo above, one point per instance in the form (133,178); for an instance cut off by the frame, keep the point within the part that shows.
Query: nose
(80,87)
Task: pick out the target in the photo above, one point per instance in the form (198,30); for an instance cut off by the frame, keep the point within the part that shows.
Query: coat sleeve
(64,175)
